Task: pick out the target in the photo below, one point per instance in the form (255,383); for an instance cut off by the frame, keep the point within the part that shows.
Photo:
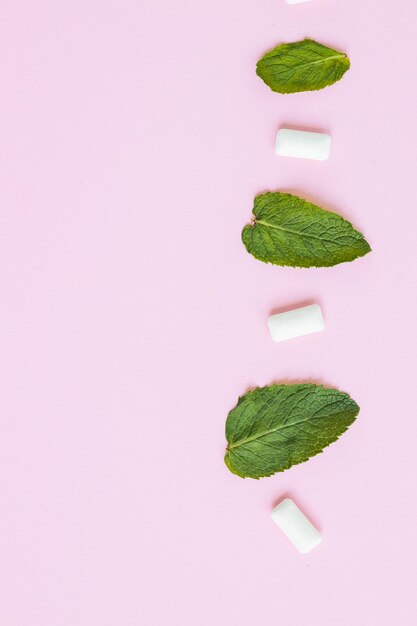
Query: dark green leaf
(302,66)
(272,428)
(287,230)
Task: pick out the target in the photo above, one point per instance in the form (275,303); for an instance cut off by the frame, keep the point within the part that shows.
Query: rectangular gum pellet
(295,1)
(303,144)
(296,526)
(295,323)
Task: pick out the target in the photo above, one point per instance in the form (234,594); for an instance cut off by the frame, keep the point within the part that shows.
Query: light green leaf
(302,66)
(272,428)
(287,230)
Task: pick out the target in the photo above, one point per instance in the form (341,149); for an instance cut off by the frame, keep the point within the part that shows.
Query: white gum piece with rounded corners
(303,144)
(296,526)
(303,321)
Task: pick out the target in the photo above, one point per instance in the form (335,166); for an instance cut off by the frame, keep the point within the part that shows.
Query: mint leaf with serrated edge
(288,230)
(273,428)
(302,66)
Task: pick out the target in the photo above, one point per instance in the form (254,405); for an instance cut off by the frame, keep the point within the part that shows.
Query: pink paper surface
(133,137)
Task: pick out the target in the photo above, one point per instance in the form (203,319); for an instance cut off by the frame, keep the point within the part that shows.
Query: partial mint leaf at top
(302,66)
(287,230)
(272,428)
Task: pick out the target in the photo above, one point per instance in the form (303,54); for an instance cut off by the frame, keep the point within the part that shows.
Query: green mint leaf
(302,66)
(288,230)
(272,428)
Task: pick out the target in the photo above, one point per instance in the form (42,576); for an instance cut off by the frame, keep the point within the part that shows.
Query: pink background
(133,137)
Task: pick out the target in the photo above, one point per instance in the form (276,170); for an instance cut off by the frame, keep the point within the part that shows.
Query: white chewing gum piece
(295,1)
(303,321)
(296,526)
(302,144)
